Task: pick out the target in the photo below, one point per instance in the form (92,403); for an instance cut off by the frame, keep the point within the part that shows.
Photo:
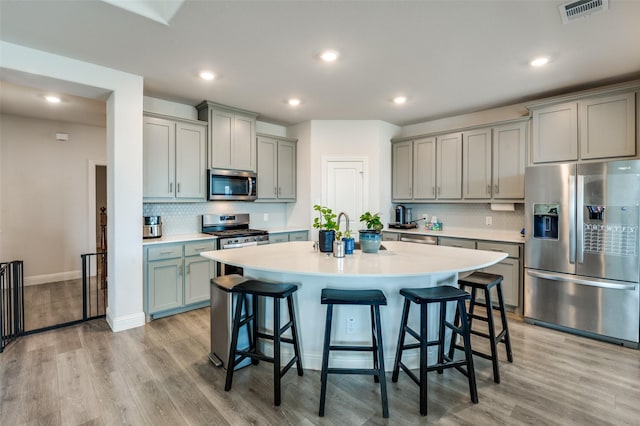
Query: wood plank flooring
(159,374)
(60,302)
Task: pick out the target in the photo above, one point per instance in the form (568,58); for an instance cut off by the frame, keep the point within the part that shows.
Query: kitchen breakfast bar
(398,265)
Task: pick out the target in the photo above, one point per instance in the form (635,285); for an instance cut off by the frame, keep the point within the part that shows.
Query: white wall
(124,172)
(45,193)
(354,139)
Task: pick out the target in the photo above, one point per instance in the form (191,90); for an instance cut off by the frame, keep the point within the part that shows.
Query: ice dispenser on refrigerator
(545,221)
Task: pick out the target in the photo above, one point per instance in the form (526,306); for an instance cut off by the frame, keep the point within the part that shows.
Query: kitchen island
(399,265)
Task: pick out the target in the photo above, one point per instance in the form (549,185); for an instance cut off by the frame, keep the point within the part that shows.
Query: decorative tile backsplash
(185,218)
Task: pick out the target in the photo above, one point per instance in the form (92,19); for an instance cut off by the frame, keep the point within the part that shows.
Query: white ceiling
(447,57)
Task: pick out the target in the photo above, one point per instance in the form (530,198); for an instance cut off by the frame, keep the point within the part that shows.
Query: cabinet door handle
(170,186)
(279,190)
(188,269)
(497,188)
(166,252)
(178,187)
(488,189)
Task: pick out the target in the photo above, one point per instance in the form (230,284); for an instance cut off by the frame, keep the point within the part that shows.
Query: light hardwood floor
(159,374)
(60,302)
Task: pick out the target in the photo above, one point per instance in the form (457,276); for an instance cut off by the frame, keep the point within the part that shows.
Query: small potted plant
(371,237)
(349,241)
(327,227)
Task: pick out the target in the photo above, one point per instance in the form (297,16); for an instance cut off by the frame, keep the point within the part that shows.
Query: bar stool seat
(372,298)
(249,287)
(484,282)
(423,297)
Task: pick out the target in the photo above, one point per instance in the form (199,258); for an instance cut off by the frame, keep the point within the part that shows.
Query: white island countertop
(402,265)
(399,259)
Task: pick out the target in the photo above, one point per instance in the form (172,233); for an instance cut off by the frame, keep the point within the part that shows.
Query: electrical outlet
(351,325)
(488,220)
(266,217)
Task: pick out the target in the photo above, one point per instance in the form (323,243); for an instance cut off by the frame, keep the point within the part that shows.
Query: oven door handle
(239,245)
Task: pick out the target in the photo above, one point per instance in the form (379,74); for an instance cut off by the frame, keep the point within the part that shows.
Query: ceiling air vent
(582,8)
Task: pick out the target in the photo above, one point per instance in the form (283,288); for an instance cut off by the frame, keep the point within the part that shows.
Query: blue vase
(349,245)
(370,241)
(325,239)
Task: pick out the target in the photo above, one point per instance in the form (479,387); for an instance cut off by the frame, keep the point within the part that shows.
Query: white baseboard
(52,278)
(125,322)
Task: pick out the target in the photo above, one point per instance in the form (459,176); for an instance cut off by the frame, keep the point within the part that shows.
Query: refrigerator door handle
(580,219)
(574,279)
(572,225)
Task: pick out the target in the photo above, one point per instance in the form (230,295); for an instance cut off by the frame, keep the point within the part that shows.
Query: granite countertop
(398,260)
(469,233)
(180,238)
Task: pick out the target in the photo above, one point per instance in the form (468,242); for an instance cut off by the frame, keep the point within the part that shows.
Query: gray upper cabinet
(277,164)
(509,146)
(402,171)
(476,164)
(449,166)
(555,133)
(174,153)
(232,136)
(424,169)
(608,126)
(599,126)
(421,168)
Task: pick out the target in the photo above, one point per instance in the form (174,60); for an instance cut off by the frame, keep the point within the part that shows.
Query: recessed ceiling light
(399,100)
(294,102)
(329,55)
(52,99)
(538,62)
(207,75)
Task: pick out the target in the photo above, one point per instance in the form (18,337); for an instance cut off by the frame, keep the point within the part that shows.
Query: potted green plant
(349,240)
(371,237)
(327,227)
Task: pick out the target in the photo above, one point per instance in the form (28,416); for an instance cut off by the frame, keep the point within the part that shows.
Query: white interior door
(345,189)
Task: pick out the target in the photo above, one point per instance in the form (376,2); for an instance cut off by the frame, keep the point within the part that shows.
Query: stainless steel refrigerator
(582,268)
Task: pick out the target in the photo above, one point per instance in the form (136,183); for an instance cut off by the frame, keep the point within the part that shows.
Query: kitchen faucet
(340,218)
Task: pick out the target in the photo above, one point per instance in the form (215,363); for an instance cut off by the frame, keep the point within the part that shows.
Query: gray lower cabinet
(284,237)
(510,268)
(177,277)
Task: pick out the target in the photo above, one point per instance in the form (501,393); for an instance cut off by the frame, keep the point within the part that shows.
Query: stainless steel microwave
(231,185)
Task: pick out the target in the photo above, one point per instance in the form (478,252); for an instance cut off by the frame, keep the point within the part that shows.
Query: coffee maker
(400,212)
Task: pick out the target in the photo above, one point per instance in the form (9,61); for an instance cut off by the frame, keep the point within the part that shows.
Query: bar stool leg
(325,359)
(401,336)
(276,352)
(380,356)
(294,335)
(253,331)
(423,358)
(466,333)
(492,335)
(374,343)
(234,343)
(503,317)
(441,332)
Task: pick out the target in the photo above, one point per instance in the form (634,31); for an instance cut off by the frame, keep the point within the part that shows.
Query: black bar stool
(372,298)
(423,297)
(257,289)
(485,282)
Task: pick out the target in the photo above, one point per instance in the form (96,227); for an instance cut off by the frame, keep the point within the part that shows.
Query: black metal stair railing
(11,302)
(94,285)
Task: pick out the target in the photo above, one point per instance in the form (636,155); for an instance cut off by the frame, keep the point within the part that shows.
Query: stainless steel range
(233,230)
